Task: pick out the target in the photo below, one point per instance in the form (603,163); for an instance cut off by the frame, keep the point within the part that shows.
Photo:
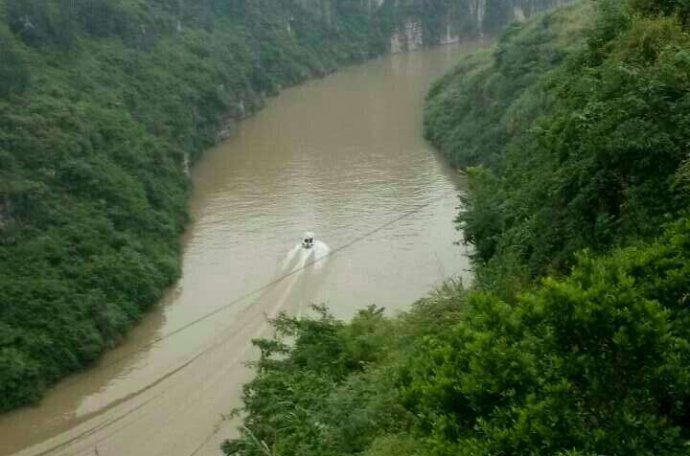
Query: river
(341,156)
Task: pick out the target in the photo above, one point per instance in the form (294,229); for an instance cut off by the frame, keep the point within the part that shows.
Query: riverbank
(342,156)
(574,338)
(102,111)
(104,107)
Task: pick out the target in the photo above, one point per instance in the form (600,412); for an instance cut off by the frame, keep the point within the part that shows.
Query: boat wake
(300,258)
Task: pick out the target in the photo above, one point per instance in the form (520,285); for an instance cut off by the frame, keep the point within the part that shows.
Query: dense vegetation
(595,363)
(583,156)
(103,106)
(574,339)
(491,96)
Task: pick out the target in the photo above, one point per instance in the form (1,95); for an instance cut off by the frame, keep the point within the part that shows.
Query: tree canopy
(574,338)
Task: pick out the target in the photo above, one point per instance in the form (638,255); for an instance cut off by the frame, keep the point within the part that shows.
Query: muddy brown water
(343,157)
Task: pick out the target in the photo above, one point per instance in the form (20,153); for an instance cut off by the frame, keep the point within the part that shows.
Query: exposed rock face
(417,26)
(449,29)
(417,23)
(519,14)
(488,15)
(408,36)
(477,11)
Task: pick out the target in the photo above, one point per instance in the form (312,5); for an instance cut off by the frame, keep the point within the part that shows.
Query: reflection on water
(342,157)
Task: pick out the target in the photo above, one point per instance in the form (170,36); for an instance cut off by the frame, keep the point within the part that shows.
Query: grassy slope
(586,356)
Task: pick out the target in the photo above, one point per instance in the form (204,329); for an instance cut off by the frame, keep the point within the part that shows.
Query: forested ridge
(104,105)
(574,338)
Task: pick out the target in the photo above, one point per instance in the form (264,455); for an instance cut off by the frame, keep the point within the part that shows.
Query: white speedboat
(308,240)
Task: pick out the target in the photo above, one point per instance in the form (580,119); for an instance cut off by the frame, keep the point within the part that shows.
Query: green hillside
(103,105)
(574,339)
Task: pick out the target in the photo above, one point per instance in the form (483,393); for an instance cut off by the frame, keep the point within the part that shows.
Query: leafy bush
(474,110)
(102,104)
(575,338)
(601,168)
(584,155)
(595,363)
(668,7)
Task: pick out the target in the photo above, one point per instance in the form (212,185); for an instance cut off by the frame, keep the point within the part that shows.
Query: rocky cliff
(417,24)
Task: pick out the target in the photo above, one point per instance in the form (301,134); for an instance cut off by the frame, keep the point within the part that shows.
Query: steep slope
(596,363)
(559,347)
(478,107)
(103,107)
(585,155)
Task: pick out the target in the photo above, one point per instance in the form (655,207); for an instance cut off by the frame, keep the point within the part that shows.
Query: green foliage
(596,363)
(14,75)
(667,7)
(486,100)
(575,339)
(290,405)
(585,155)
(601,168)
(103,104)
